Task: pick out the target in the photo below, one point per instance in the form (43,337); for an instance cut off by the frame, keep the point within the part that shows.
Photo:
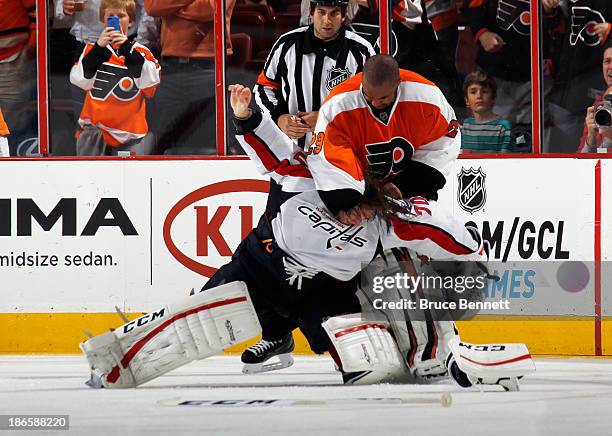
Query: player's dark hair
(480,77)
(381,69)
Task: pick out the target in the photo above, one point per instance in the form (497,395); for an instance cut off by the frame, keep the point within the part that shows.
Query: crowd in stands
(159,71)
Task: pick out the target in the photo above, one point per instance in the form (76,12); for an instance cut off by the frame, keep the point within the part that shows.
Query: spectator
(86,28)
(581,36)
(117,75)
(593,136)
(418,43)
(185,119)
(501,28)
(305,64)
(86,25)
(18,67)
(596,138)
(4,132)
(483,132)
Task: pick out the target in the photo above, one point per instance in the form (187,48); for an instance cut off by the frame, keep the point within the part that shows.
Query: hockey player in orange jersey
(4,132)
(396,126)
(118,75)
(392,123)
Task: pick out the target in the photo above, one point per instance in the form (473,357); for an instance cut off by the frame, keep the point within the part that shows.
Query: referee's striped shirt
(301,69)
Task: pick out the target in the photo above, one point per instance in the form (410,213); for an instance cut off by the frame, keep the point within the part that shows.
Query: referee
(305,64)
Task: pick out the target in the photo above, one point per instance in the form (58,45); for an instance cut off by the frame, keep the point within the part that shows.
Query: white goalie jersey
(310,234)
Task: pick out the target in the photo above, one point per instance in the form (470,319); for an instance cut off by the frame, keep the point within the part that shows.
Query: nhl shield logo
(471,193)
(336,76)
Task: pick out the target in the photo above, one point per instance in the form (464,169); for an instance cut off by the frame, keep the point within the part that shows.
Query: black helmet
(339,3)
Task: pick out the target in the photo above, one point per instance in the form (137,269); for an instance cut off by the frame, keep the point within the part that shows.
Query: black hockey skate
(255,357)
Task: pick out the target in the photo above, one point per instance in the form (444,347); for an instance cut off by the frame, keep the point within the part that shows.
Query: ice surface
(564,397)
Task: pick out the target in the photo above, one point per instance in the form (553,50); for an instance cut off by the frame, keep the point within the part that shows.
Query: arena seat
(242,45)
(286,21)
(253,24)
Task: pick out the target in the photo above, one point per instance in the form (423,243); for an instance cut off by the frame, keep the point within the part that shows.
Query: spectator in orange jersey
(4,132)
(117,74)
(18,67)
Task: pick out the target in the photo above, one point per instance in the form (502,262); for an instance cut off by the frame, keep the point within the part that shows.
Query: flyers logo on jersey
(514,15)
(113,79)
(389,157)
(582,21)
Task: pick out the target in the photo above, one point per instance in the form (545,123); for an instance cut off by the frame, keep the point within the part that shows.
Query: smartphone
(113,21)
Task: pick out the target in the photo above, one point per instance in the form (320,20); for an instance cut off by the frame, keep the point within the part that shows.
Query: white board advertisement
(86,236)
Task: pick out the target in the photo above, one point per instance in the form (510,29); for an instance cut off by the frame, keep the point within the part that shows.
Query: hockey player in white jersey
(297,264)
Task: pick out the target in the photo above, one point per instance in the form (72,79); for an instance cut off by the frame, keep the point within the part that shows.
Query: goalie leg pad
(194,328)
(489,364)
(365,346)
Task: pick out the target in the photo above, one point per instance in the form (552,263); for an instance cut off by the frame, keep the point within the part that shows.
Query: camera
(603,112)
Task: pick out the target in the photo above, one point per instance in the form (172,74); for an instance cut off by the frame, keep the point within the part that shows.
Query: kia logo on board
(210,219)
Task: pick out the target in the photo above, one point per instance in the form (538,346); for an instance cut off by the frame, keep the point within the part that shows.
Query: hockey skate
(256,358)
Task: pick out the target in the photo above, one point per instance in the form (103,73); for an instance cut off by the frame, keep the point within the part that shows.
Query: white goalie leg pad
(501,364)
(194,328)
(364,345)
(428,362)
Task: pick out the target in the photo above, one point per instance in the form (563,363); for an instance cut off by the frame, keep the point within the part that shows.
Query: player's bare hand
(599,29)
(592,128)
(240,99)
(309,118)
(292,126)
(106,37)
(356,215)
(68,7)
(491,42)
(550,5)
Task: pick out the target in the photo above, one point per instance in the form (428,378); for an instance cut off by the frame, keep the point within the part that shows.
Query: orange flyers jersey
(4,131)
(115,101)
(16,24)
(349,138)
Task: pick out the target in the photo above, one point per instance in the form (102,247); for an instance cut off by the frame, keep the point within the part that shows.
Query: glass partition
(109,102)
(578,61)
(18,97)
(493,61)
(447,41)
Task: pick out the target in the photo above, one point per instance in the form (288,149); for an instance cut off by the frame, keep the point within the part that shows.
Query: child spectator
(484,132)
(117,74)
(4,132)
